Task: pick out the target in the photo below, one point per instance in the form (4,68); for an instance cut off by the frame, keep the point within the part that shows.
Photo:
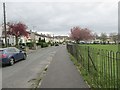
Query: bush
(30,44)
(43,40)
(39,43)
(52,44)
(43,44)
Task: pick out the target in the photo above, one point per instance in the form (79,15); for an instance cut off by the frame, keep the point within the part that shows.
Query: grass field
(105,47)
(99,64)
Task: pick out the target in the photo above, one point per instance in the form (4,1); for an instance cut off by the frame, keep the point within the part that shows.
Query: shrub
(52,44)
(30,44)
(43,44)
(43,40)
(39,43)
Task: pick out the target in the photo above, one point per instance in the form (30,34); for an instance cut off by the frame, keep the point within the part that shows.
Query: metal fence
(102,66)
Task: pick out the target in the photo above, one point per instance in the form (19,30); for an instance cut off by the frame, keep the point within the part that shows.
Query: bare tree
(114,37)
(103,37)
(95,36)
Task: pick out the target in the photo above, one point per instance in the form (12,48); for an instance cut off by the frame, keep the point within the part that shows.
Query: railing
(102,66)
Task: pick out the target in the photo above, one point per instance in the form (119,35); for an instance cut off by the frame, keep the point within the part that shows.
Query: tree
(95,36)
(103,37)
(75,32)
(17,29)
(39,39)
(114,37)
(87,34)
(79,34)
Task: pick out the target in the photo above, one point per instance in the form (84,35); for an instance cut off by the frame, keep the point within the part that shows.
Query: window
(12,50)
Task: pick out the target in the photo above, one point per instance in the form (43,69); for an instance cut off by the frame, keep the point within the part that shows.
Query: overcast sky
(59,17)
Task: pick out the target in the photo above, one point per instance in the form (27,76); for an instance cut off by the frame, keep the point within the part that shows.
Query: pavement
(62,73)
(32,50)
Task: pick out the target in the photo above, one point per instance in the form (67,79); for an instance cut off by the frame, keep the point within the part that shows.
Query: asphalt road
(19,75)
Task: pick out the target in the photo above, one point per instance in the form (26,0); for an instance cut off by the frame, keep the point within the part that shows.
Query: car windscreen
(12,50)
(2,52)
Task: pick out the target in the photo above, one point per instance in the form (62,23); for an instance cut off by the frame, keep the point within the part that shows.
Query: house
(109,40)
(42,36)
(49,38)
(10,38)
(11,41)
(34,36)
(61,39)
(31,36)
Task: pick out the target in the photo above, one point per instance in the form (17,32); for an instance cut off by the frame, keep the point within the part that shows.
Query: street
(59,44)
(21,73)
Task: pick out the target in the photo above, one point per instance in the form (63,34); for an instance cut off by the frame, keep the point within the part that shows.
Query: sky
(59,17)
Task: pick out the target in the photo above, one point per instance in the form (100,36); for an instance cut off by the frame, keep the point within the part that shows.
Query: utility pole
(53,39)
(4,12)
(34,41)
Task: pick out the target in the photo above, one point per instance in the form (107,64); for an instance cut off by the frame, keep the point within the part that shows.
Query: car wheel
(24,57)
(11,61)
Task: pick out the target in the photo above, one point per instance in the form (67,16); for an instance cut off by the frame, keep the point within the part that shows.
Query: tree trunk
(77,41)
(115,42)
(16,41)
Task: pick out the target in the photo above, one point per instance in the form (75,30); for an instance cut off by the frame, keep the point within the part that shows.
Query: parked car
(10,55)
(22,46)
(56,44)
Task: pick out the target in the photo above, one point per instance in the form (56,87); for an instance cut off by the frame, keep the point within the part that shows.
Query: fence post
(88,58)
(76,51)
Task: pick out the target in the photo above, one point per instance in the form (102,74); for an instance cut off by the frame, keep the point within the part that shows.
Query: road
(19,75)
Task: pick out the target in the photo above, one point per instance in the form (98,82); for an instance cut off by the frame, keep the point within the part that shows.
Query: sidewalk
(31,50)
(62,73)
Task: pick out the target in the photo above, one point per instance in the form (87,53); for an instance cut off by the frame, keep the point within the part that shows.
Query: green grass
(105,47)
(105,65)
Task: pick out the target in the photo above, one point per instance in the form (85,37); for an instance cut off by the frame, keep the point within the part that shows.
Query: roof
(61,37)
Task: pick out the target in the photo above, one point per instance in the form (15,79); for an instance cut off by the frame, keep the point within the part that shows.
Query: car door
(13,53)
(19,54)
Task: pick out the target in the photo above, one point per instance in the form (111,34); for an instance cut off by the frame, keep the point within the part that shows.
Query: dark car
(10,55)
(56,44)
(22,46)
